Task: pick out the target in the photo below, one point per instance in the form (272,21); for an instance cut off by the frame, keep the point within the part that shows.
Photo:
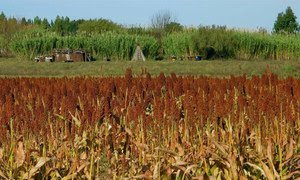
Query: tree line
(286,22)
(162,24)
(61,25)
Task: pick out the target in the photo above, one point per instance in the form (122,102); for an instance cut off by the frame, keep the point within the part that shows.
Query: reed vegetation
(212,42)
(232,44)
(110,45)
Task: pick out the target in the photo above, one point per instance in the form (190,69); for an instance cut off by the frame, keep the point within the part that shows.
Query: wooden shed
(71,56)
(65,56)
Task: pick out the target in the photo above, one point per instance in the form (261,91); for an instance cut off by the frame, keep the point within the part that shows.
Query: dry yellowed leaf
(35,169)
(188,169)
(1,153)
(74,165)
(144,147)
(20,154)
(198,177)
(73,176)
(169,171)
(142,176)
(268,172)
(243,177)
(180,149)
(156,171)
(129,132)
(83,156)
(2,175)
(166,151)
(289,151)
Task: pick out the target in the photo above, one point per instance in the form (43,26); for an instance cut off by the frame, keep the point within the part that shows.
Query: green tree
(8,27)
(58,25)
(2,21)
(23,21)
(45,24)
(37,21)
(73,26)
(173,27)
(29,21)
(61,25)
(2,16)
(286,22)
(98,26)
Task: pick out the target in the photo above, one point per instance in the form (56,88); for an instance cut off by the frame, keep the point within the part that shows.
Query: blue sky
(248,14)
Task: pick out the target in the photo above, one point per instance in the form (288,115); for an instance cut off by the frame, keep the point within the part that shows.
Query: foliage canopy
(286,22)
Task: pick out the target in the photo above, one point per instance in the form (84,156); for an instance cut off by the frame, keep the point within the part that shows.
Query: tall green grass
(178,44)
(223,43)
(261,46)
(113,45)
(195,42)
(2,44)
(232,44)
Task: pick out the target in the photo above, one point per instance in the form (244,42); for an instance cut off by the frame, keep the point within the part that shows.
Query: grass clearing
(12,67)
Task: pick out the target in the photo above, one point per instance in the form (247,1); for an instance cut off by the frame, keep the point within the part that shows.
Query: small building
(71,56)
(44,59)
(65,56)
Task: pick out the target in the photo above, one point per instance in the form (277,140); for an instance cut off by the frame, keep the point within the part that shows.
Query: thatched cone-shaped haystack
(138,55)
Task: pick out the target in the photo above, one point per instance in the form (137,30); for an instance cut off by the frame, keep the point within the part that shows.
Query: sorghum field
(164,127)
